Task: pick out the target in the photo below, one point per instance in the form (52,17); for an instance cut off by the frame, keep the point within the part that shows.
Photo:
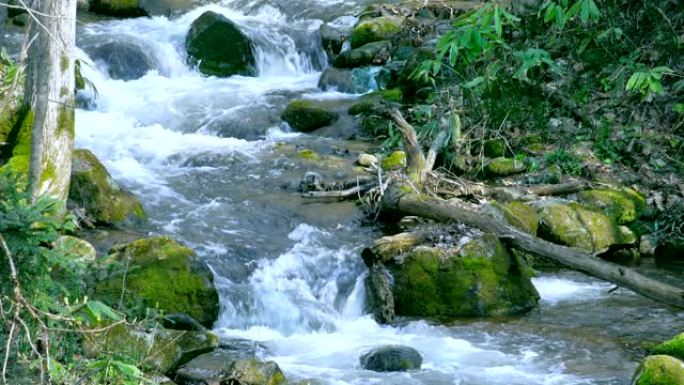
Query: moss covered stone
(159,350)
(504,166)
(161,274)
(624,205)
(394,161)
(94,189)
(376,29)
(75,248)
(575,225)
(230,367)
(482,279)
(121,8)
(391,358)
(376,53)
(307,115)
(494,148)
(673,347)
(219,48)
(520,215)
(659,370)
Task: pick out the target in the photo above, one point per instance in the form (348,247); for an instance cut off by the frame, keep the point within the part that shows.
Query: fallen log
(386,248)
(408,203)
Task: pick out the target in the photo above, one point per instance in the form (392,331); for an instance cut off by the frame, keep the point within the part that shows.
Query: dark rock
(393,358)
(335,33)
(124,61)
(376,53)
(119,8)
(379,294)
(21,20)
(225,367)
(180,321)
(306,115)
(219,48)
(352,81)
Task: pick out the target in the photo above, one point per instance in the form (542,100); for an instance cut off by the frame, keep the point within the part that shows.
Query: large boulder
(335,33)
(673,347)
(376,29)
(306,115)
(376,53)
(92,188)
(520,215)
(229,367)
(125,61)
(75,248)
(479,279)
(572,224)
(160,274)
(659,370)
(624,205)
(156,349)
(120,8)
(219,48)
(393,358)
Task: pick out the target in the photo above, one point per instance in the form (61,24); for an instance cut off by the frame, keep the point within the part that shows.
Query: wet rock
(520,215)
(376,29)
(219,48)
(624,205)
(92,188)
(659,370)
(226,367)
(120,8)
(504,166)
(647,245)
(479,279)
(394,161)
(180,321)
(160,274)
(405,79)
(125,61)
(351,81)
(367,160)
(156,349)
(574,225)
(335,33)
(75,248)
(673,347)
(306,115)
(379,294)
(376,53)
(393,358)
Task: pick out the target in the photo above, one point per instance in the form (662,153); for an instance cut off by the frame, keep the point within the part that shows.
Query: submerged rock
(227,367)
(306,115)
(219,48)
(102,198)
(393,358)
(624,205)
(659,370)
(123,60)
(160,274)
(574,225)
(376,29)
(376,53)
(157,349)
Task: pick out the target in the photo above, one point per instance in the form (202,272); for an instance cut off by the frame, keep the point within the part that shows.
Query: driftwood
(386,248)
(443,211)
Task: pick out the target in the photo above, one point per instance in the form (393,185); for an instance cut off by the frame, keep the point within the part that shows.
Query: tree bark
(443,211)
(49,96)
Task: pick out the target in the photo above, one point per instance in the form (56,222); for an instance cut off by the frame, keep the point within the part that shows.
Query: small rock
(376,53)
(367,160)
(376,29)
(393,358)
(75,248)
(306,115)
(504,166)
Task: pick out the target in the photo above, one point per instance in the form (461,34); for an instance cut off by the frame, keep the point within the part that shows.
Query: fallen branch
(386,248)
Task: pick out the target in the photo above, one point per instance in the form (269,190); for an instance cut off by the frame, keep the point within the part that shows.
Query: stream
(209,156)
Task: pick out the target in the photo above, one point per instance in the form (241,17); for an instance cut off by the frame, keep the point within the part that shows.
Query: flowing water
(206,157)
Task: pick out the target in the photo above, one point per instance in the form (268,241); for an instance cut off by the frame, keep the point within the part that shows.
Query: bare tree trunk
(49,95)
(452,211)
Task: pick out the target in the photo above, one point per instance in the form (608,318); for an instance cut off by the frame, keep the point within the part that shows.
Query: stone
(229,367)
(335,33)
(376,53)
(367,160)
(351,81)
(380,299)
(156,349)
(572,224)
(161,274)
(307,115)
(504,166)
(392,358)
(75,248)
(218,47)
(124,60)
(394,161)
(673,347)
(659,370)
(93,189)
(494,148)
(624,205)
(119,8)
(480,279)
(168,7)
(180,321)
(375,29)
(520,215)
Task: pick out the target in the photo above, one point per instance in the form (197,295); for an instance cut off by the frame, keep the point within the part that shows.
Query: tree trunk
(49,96)
(443,211)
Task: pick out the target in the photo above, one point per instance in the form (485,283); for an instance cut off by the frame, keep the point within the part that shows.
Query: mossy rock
(18,128)
(306,115)
(229,367)
(624,205)
(504,166)
(102,198)
(659,370)
(160,350)
(392,358)
(520,215)
(75,248)
(574,225)
(308,154)
(161,274)
(376,53)
(673,347)
(376,29)
(120,8)
(394,161)
(219,48)
(494,148)
(482,279)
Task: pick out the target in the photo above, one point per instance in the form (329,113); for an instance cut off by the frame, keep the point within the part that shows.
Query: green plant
(647,82)
(570,163)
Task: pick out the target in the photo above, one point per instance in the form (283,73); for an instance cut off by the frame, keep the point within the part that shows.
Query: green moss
(673,347)
(494,148)
(395,161)
(504,166)
(64,63)
(660,370)
(66,121)
(308,154)
(624,205)
(377,29)
(20,140)
(520,215)
(306,115)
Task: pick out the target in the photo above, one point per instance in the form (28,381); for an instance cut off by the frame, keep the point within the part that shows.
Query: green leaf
(497,21)
(475,82)
(99,309)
